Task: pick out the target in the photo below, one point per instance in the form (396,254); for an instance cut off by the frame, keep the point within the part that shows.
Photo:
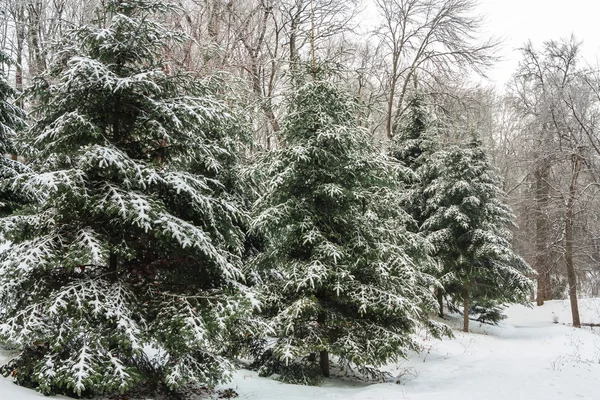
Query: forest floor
(533,354)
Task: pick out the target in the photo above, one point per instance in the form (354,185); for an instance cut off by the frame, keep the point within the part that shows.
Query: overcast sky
(539,20)
(517,21)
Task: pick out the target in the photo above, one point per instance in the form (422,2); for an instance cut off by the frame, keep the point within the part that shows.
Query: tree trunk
(542,190)
(324,363)
(323,354)
(439,293)
(254,68)
(112,262)
(465,295)
(19,16)
(569,220)
(37,62)
(293,45)
(213,21)
(20,29)
(390,111)
(542,288)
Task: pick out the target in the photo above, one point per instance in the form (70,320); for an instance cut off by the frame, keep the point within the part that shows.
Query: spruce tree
(341,274)
(467,223)
(126,267)
(11,120)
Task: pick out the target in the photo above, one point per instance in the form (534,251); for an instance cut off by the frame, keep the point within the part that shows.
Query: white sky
(539,20)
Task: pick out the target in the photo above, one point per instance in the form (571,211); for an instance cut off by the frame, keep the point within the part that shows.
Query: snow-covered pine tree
(341,273)
(467,222)
(415,141)
(11,119)
(412,134)
(126,268)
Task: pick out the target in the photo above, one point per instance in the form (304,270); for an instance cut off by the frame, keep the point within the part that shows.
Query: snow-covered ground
(527,357)
(10,391)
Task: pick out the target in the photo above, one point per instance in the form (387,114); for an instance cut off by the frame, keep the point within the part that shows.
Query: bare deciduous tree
(428,40)
(552,93)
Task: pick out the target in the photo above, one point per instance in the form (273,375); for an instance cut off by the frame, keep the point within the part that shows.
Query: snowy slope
(528,357)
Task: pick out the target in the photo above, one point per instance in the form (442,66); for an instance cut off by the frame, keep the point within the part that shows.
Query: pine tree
(11,119)
(126,267)
(412,134)
(416,140)
(467,223)
(418,146)
(341,274)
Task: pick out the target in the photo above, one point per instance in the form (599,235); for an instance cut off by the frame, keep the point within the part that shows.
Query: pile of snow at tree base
(533,354)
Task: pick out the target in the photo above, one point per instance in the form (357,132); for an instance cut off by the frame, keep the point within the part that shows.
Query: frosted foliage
(11,116)
(132,235)
(11,121)
(466,223)
(341,272)
(79,351)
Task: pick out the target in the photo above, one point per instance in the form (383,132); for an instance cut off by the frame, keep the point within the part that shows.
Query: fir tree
(467,222)
(341,274)
(133,241)
(11,119)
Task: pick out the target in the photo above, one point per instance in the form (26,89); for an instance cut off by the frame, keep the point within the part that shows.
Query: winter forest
(294,199)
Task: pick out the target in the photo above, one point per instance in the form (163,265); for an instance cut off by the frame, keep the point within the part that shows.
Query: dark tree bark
(323,354)
(324,363)
(112,262)
(439,294)
(465,295)
(569,220)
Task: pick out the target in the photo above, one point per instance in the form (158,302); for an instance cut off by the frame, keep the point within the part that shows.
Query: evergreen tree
(341,274)
(467,222)
(11,119)
(417,145)
(126,267)
(415,142)
(413,133)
